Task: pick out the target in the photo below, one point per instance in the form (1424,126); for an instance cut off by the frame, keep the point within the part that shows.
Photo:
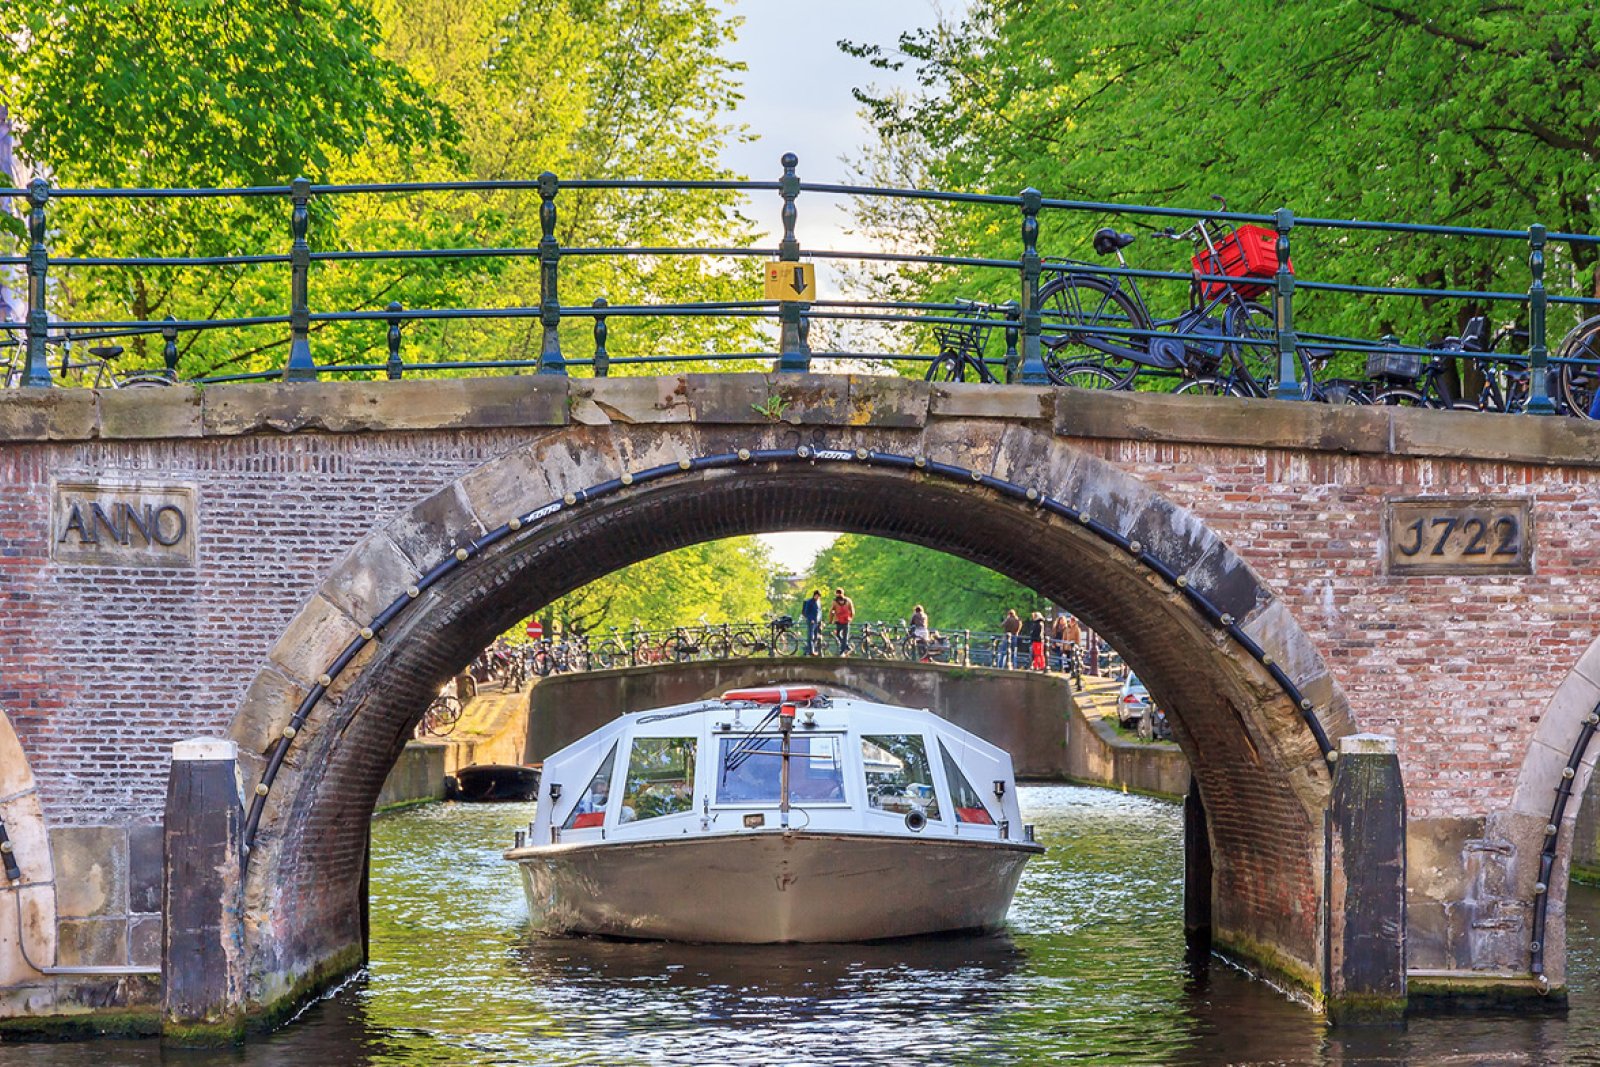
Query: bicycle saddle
(1107,240)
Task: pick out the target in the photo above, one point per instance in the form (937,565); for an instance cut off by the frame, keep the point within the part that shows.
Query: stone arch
(28,906)
(1253,704)
(1546,797)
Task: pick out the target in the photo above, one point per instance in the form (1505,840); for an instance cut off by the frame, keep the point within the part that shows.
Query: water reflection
(1093,970)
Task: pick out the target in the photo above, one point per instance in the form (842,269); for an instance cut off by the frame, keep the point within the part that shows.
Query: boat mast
(786,728)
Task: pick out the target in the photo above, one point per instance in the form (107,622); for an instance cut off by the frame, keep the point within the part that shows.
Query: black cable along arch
(745,456)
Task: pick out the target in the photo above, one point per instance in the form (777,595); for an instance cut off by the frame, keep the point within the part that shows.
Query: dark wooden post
(1366,883)
(202,989)
(1197,871)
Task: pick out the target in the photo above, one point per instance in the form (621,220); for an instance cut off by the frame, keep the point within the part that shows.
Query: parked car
(1133,702)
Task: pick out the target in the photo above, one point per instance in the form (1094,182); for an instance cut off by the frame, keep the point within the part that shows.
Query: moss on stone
(84,1025)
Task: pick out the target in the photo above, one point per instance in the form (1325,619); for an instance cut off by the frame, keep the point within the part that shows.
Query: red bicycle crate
(1248,252)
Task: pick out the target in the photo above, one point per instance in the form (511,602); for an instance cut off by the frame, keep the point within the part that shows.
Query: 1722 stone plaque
(1459,535)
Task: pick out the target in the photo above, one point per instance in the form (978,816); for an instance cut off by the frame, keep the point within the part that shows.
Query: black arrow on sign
(799,282)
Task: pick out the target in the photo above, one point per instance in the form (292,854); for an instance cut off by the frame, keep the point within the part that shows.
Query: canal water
(1092,971)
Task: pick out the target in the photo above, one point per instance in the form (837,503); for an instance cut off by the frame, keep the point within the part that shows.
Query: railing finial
(793,355)
(301,367)
(550,358)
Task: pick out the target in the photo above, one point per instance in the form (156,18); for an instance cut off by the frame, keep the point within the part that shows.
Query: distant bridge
(1283,576)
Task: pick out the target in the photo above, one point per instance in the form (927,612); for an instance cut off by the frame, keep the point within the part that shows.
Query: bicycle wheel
(745,644)
(948,367)
(1400,398)
(1076,306)
(1088,376)
(719,647)
(1253,338)
(1208,387)
(786,643)
(1579,378)
(610,654)
(678,649)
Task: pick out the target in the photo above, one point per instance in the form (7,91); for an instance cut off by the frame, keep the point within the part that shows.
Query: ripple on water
(1092,970)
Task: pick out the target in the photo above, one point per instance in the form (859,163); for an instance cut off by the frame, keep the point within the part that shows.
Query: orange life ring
(779,694)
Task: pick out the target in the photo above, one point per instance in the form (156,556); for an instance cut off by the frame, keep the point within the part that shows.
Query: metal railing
(768,640)
(1026,333)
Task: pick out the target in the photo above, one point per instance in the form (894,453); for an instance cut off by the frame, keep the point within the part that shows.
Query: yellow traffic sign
(792,281)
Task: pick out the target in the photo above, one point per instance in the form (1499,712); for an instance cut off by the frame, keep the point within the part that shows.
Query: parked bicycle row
(1100,332)
(512,666)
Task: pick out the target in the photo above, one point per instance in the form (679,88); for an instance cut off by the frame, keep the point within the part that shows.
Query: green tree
(256,92)
(719,581)
(886,579)
(1472,114)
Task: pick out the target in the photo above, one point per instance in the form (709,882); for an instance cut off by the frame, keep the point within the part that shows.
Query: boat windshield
(751,769)
(590,810)
(898,776)
(660,778)
(965,799)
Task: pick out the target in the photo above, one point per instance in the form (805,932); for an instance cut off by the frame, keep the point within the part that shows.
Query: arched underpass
(324,722)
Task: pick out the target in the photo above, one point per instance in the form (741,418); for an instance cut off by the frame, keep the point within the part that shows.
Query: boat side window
(898,776)
(965,799)
(590,810)
(660,778)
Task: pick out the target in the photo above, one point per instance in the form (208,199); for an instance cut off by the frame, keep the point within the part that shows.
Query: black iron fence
(1036,330)
(786,637)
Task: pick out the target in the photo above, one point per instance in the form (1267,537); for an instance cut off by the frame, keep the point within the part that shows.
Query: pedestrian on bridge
(811,611)
(844,609)
(1010,627)
(1034,634)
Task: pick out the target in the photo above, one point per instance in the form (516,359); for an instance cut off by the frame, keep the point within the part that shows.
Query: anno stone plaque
(1459,535)
(122,524)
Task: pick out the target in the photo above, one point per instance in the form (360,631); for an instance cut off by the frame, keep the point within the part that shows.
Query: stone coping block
(37,415)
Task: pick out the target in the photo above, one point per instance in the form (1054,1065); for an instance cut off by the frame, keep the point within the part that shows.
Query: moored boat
(773,815)
(486,782)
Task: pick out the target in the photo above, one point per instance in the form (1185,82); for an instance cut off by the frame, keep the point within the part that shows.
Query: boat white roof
(714,766)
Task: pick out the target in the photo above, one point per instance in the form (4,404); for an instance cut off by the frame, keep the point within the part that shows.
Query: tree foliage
(1473,114)
(721,581)
(257,92)
(886,579)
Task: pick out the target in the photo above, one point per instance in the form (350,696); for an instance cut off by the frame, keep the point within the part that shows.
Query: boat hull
(483,782)
(771,887)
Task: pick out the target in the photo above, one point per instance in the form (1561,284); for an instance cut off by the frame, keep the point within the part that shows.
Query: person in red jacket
(844,610)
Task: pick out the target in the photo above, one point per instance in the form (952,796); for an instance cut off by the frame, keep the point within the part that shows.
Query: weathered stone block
(1228,583)
(796,399)
(881,400)
(92,942)
(314,639)
(976,401)
(144,941)
(91,869)
(268,705)
(48,414)
(371,577)
(153,412)
(145,858)
(604,401)
(435,527)
(350,407)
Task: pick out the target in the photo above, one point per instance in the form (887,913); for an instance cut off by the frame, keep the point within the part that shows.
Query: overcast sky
(797,99)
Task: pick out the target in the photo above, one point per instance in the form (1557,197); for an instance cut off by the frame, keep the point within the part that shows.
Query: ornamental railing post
(1539,402)
(394,368)
(1289,386)
(793,355)
(169,347)
(300,368)
(1013,358)
(37,370)
(550,358)
(602,358)
(1032,370)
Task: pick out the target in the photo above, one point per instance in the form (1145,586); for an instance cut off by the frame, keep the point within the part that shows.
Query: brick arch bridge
(346,547)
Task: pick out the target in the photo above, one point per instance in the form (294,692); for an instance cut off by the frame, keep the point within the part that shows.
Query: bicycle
(1578,377)
(874,642)
(97,373)
(961,345)
(1107,340)
(780,640)
(613,651)
(441,716)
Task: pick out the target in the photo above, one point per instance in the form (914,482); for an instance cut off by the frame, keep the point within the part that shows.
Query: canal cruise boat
(775,814)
